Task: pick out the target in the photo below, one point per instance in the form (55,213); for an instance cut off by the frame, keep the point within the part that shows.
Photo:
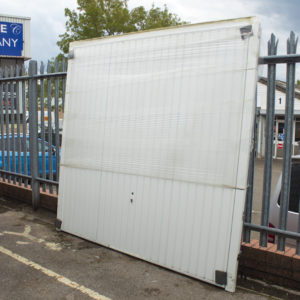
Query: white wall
(262,98)
(262,103)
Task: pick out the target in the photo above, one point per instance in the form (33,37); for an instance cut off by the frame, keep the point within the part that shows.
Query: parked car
(293,212)
(53,136)
(22,143)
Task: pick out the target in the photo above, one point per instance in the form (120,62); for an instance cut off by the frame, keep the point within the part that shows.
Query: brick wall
(270,265)
(22,193)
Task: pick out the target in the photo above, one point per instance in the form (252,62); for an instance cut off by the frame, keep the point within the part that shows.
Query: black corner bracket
(246,32)
(221,277)
(58,224)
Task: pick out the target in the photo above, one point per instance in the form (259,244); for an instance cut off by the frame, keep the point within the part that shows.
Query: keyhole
(131,199)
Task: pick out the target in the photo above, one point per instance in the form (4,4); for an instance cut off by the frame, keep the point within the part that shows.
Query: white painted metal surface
(25,21)
(156,143)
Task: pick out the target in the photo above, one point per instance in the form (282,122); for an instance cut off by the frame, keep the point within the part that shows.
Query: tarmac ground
(38,262)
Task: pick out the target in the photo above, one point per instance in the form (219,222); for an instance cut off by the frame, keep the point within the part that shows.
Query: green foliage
(298,82)
(96,18)
(154,18)
(56,64)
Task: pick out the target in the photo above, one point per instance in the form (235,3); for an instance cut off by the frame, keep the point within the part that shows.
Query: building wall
(280,100)
(8,62)
(261,120)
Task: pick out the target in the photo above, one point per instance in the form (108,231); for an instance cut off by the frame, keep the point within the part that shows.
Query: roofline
(264,80)
(279,112)
(15,17)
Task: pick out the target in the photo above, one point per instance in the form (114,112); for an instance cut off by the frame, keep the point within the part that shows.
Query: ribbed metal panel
(26,32)
(156,144)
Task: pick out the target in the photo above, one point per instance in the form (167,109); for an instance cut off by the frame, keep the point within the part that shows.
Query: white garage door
(156,142)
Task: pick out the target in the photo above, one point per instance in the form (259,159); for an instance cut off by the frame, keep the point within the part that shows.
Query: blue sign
(11,39)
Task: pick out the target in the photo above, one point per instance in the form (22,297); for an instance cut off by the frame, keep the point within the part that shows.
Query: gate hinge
(221,277)
(246,32)
(58,224)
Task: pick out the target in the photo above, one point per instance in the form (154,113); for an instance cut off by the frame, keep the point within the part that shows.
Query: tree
(96,18)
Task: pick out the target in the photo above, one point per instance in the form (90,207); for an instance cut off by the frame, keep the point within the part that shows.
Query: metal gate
(31,109)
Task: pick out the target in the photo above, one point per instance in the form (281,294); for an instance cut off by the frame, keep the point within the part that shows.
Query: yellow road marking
(21,243)
(57,276)
(26,234)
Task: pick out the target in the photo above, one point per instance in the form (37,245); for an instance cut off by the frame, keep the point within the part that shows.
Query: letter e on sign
(3,28)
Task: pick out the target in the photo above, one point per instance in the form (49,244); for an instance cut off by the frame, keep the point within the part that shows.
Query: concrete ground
(37,262)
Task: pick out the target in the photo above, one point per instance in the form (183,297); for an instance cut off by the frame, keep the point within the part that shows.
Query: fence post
(33,134)
(272,50)
(288,140)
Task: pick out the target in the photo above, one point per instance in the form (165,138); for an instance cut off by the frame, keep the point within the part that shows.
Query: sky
(48,20)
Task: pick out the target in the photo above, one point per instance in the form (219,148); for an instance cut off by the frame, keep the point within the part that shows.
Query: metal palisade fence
(290,59)
(31,112)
